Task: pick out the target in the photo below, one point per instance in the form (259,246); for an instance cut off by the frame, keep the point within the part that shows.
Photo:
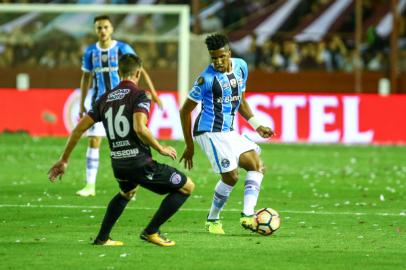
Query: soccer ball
(268,221)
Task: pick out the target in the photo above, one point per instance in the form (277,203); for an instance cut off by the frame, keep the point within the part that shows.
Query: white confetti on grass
(381,198)
(102,255)
(123,255)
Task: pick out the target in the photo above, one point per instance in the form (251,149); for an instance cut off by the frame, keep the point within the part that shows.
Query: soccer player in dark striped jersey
(124,112)
(220,89)
(100,65)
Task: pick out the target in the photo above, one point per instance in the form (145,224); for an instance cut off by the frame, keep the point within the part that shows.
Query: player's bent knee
(188,187)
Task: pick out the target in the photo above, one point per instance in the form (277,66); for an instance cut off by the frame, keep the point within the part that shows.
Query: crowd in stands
(276,54)
(332,54)
(336,52)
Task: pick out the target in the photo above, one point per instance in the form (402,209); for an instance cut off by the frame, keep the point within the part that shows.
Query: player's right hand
(57,170)
(168,151)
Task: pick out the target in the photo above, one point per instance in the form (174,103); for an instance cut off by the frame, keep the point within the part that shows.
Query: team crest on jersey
(104,57)
(233,83)
(175,178)
(225,163)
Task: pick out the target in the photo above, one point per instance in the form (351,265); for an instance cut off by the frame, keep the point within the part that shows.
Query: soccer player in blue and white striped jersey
(100,67)
(220,89)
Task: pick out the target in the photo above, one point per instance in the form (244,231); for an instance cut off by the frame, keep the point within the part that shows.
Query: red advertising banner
(295,117)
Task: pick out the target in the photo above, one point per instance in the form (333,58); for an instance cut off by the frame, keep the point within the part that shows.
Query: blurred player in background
(100,65)
(124,113)
(221,90)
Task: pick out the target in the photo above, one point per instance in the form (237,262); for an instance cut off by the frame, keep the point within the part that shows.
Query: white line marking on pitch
(311,212)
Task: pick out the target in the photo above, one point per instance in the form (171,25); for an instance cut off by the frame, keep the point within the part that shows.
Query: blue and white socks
(221,194)
(253,182)
(92,165)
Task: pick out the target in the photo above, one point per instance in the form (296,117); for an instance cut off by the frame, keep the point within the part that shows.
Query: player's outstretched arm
(246,112)
(186,121)
(151,87)
(85,84)
(145,135)
(58,169)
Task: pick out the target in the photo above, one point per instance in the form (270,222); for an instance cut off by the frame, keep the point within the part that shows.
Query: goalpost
(183,11)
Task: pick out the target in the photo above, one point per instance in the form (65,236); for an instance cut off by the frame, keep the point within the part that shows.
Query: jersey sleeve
(196,93)
(244,68)
(126,49)
(87,65)
(142,104)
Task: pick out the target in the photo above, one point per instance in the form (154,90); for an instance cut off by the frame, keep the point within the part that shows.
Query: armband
(253,121)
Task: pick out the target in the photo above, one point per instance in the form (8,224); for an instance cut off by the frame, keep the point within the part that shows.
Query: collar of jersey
(113,43)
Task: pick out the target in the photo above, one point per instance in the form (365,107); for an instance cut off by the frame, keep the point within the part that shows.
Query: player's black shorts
(157,177)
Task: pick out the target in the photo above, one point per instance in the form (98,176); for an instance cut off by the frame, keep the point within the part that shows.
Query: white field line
(311,212)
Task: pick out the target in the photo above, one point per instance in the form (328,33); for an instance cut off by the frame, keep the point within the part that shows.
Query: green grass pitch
(342,207)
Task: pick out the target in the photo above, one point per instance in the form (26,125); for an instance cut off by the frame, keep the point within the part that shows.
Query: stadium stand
(272,35)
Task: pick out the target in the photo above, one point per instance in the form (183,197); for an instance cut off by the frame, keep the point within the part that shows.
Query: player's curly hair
(127,64)
(216,41)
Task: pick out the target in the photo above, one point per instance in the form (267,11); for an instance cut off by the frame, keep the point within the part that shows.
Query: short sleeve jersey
(115,109)
(103,63)
(220,95)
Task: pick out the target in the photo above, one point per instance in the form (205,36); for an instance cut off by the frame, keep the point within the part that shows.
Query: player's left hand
(187,157)
(57,170)
(265,132)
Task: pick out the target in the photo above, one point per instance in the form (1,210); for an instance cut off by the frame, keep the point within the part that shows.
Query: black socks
(114,211)
(169,206)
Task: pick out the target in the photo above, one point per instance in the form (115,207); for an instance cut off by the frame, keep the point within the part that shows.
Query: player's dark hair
(102,17)
(127,64)
(216,41)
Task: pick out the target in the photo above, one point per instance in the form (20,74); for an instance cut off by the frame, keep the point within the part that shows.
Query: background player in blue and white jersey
(100,66)
(220,89)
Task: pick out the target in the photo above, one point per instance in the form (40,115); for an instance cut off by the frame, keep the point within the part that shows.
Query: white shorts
(224,149)
(96,130)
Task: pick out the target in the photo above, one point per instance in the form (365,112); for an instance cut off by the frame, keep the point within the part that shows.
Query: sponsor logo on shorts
(225,163)
(175,178)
